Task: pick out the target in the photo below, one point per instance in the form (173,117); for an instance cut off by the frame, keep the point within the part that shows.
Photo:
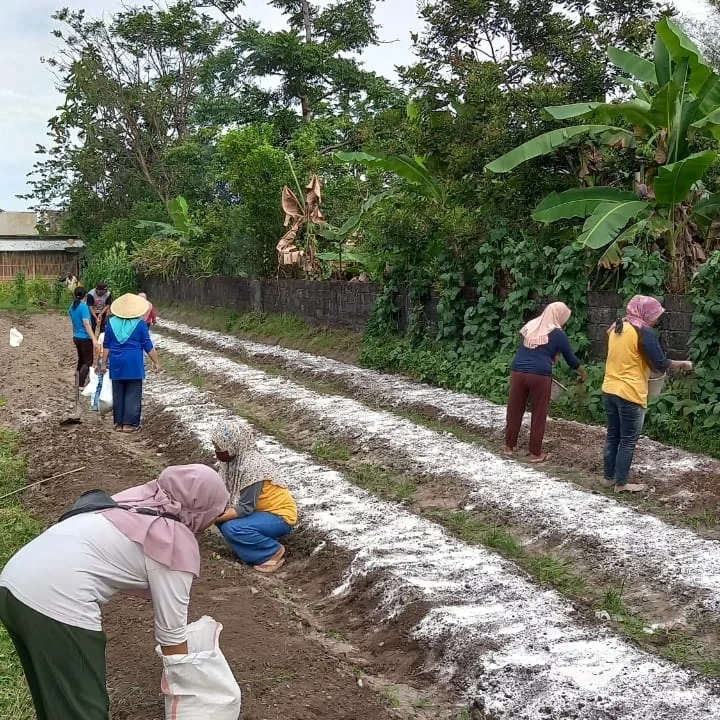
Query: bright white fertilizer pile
(518,647)
(616,535)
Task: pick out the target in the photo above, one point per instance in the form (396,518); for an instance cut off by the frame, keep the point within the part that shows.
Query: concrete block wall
(348,305)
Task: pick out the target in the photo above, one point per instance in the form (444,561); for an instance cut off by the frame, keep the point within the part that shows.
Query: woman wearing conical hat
(126,341)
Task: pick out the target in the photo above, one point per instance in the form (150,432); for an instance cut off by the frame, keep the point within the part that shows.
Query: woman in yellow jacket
(261,507)
(633,352)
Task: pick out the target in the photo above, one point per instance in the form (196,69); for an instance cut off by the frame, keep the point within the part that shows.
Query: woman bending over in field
(531,376)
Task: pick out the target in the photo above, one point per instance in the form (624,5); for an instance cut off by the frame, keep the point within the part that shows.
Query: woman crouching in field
(531,376)
(261,506)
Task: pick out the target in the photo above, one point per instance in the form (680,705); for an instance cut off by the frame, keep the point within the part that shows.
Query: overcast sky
(28,98)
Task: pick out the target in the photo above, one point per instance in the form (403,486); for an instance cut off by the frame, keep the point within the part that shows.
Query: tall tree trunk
(305,101)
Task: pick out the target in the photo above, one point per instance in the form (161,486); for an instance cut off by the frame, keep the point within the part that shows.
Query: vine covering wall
(349,305)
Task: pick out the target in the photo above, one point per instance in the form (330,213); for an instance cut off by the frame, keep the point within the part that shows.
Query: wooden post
(34,269)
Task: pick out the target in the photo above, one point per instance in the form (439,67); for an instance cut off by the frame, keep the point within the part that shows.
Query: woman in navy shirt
(126,340)
(531,376)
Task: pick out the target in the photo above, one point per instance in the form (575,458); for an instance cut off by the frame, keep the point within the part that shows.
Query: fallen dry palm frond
(299,214)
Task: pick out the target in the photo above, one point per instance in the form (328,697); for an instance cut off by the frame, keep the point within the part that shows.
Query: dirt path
(287,661)
(679,479)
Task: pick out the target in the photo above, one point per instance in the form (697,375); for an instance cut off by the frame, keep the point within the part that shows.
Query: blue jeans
(127,402)
(253,537)
(625,421)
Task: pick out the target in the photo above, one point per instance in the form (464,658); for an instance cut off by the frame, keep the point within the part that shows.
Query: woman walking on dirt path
(52,590)
(633,352)
(261,506)
(99,300)
(83,336)
(126,340)
(531,376)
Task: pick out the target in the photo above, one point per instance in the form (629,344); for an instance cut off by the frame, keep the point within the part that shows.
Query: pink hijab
(537,331)
(195,493)
(643,311)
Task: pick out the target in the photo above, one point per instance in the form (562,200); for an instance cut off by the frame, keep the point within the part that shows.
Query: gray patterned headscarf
(249,465)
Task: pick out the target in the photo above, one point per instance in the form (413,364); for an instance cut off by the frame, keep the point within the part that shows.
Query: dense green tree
(130,86)
(312,63)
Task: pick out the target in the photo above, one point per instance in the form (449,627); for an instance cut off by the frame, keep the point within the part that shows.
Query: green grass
(16,529)
(293,332)
(381,482)
(391,695)
(331,451)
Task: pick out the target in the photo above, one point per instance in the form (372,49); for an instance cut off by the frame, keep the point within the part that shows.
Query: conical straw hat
(129,307)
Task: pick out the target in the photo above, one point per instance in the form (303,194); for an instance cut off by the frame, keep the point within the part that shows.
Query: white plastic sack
(16,337)
(200,685)
(105,399)
(92,383)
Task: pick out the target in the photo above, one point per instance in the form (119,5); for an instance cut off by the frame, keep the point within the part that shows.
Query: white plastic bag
(105,399)
(92,383)
(16,337)
(200,685)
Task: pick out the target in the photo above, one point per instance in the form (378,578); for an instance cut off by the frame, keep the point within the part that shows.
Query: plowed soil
(276,629)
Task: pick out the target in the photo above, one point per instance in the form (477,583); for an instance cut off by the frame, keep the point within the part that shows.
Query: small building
(48,257)
(23,249)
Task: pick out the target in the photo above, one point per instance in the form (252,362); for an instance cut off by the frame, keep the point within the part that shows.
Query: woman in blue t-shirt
(126,341)
(83,336)
(531,376)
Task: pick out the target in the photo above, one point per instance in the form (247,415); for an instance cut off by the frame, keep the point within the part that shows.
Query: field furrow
(521,651)
(614,537)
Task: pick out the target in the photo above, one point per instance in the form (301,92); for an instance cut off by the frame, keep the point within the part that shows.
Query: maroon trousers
(536,388)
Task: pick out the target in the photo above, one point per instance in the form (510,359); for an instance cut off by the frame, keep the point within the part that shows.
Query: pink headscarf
(537,331)
(195,493)
(643,311)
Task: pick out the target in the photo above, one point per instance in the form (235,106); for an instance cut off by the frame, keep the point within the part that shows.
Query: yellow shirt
(278,501)
(626,372)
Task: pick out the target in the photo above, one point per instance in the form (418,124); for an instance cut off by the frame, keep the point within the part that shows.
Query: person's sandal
(274,563)
(609,484)
(631,488)
(539,460)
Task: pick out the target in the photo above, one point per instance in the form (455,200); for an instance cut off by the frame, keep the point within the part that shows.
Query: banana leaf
(679,47)
(608,220)
(674,181)
(410,169)
(578,202)
(546,143)
(707,209)
(640,68)
(634,111)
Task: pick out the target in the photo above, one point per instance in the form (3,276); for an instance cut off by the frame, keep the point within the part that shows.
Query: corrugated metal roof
(10,243)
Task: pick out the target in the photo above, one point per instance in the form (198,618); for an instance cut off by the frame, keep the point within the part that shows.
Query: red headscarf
(643,311)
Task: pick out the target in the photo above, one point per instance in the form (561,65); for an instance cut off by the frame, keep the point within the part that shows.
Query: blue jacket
(539,360)
(127,360)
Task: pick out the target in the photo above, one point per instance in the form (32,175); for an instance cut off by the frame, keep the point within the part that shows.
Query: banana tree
(675,104)
(301,210)
(418,181)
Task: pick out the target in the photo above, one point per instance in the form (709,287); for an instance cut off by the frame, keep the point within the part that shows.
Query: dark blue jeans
(625,421)
(253,538)
(127,402)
